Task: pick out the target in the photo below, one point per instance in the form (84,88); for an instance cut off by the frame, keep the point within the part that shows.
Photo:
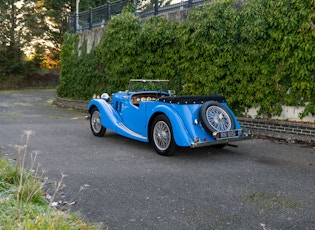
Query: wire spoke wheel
(161,136)
(96,124)
(215,117)
(218,118)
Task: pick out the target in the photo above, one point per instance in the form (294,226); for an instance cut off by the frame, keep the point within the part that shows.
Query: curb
(69,103)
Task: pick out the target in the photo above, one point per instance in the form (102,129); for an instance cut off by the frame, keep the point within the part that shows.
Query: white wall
(289,113)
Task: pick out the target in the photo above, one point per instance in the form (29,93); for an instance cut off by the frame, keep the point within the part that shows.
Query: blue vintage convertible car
(149,112)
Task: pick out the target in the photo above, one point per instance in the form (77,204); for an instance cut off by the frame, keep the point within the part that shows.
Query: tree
(57,12)
(21,22)
(26,23)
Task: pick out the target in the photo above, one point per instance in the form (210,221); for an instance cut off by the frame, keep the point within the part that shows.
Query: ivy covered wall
(261,55)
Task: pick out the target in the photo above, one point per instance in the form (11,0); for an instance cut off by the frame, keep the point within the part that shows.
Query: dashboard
(136,99)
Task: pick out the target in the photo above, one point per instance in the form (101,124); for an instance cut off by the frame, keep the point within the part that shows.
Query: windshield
(136,85)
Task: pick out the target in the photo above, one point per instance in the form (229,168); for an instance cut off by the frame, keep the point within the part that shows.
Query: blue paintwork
(129,120)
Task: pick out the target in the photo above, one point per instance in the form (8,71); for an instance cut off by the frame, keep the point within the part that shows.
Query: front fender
(180,132)
(109,117)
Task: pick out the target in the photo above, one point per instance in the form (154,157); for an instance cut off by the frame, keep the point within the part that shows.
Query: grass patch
(270,201)
(22,199)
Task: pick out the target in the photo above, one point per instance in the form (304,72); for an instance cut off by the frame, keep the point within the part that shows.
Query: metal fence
(95,17)
(99,16)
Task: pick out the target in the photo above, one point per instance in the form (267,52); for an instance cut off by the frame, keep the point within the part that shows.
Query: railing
(99,16)
(170,8)
(95,17)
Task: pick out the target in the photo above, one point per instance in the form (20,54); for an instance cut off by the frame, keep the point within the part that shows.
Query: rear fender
(180,133)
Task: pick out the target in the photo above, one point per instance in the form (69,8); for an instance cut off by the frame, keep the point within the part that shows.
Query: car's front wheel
(96,124)
(161,136)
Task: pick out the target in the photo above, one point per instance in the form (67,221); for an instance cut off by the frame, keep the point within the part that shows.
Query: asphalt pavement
(124,184)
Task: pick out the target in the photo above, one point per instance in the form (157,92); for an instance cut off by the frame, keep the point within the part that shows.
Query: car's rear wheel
(96,124)
(215,117)
(161,136)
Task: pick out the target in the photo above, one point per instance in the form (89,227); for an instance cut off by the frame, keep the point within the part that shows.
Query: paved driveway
(259,185)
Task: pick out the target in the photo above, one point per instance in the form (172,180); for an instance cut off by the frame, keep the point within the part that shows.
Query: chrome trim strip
(244,136)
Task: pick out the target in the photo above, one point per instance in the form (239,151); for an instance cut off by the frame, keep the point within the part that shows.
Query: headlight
(105,96)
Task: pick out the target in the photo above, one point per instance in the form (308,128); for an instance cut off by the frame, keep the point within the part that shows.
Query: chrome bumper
(243,136)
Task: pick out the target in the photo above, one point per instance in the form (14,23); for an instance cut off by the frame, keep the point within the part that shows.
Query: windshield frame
(138,85)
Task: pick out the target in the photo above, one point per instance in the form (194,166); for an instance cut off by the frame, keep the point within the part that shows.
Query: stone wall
(280,129)
(69,103)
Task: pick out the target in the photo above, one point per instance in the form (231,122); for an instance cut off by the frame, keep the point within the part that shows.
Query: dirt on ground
(305,144)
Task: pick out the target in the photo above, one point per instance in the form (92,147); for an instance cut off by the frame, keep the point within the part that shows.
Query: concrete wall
(289,113)
(94,36)
(178,16)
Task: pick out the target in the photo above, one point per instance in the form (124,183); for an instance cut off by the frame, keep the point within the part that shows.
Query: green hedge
(261,54)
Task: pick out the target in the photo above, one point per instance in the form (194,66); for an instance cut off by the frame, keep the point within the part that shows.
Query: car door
(134,117)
